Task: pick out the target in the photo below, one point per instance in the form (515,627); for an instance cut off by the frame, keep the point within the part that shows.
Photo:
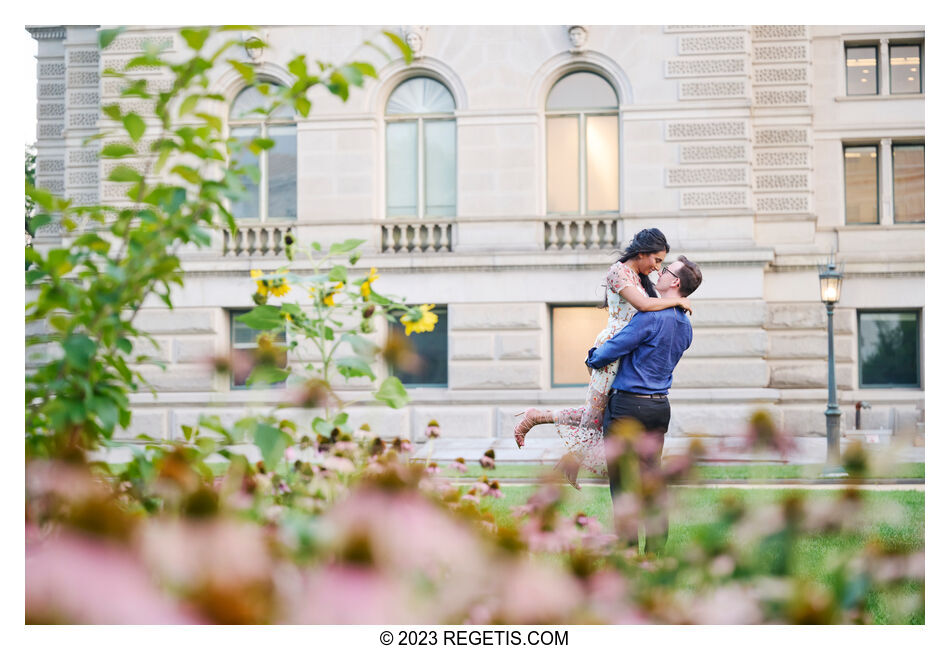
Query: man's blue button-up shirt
(649,347)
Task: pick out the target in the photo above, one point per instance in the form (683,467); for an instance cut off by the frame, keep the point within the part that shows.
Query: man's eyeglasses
(667,270)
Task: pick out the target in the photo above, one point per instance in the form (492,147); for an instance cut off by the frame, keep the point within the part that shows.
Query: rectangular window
(573,331)
(889,349)
(603,164)
(861,184)
(429,365)
(245,354)
(563,138)
(282,173)
(440,167)
(906,69)
(861,66)
(402,169)
(908,183)
(250,206)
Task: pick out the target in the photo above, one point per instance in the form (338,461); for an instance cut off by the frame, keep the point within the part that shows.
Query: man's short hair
(690,276)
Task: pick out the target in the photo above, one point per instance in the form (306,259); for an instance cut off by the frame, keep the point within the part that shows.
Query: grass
(895,517)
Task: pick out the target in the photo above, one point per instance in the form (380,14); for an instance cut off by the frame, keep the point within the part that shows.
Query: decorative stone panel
(782,204)
(51,70)
(84,120)
(700,28)
(119,62)
(781,159)
(712,44)
(790,97)
(84,198)
(780,75)
(713,153)
(83,157)
(50,129)
(496,316)
(85,98)
(115,191)
(706,176)
(50,165)
(54,185)
(114,87)
(79,78)
(83,57)
(144,107)
(779,32)
(791,136)
(46,110)
(777,53)
(706,130)
(705,67)
(83,177)
(713,200)
(141,166)
(712,89)
(781,182)
(51,90)
(137,43)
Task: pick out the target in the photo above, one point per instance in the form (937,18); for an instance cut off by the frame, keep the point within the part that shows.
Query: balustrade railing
(257,240)
(580,233)
(416,237)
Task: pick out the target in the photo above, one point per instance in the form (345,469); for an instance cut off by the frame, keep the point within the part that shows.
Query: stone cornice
(48,32)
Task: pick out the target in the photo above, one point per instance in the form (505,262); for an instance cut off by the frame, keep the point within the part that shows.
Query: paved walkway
(911,484)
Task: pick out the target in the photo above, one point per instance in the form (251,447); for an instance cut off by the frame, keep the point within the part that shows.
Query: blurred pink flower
(346,595)
(433,468)
(459,465)
(729,605)
(433,430)
(75,579)
(533,593)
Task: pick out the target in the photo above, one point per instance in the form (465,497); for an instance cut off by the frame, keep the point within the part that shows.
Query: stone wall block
(475,375)
(148,421)
(724,373)
(179,378)
(797,315)
(457,422)
(194,349)
(810,374)
(143,347)
(471,346)
(728,313)
(808,346)
(495,316)
(728,343)
(176,321)
(518,346)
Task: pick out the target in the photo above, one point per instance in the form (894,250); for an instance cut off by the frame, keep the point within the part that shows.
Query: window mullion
(885,72)
(420,168)
(886,182)
(263,192)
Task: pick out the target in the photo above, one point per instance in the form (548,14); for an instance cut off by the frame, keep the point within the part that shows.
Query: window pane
(244,351)
(440,167)
(573,330)
(908,183)
(603,173)
(563,164)
(249,207)
(282,172)
(889,348)
(244,105)
(860,178)
(420,95)
(432,349)
(862,70)
(402,178)
(582,90)
(905,69)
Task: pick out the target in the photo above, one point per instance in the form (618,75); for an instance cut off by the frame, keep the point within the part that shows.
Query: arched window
(583,159)
(420,150)
(275,195)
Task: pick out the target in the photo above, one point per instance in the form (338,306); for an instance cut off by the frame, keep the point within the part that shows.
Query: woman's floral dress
(582,429)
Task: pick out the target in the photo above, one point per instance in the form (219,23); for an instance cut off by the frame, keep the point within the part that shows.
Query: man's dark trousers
(653,414)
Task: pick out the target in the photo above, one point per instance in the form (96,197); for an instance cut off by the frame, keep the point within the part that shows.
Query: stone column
(885,68)
(82,113)
(886,167)
(50,111)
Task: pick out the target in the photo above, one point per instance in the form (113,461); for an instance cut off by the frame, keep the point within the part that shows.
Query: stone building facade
(733,140)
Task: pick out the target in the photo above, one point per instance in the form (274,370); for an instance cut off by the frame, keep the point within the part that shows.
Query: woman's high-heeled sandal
(570,466)
(531,418)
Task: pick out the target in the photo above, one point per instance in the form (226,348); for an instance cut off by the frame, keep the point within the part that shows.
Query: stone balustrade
(579,233)
(258,240)
(418,236)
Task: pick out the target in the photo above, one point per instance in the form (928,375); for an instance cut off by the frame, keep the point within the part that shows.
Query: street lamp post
(830,279)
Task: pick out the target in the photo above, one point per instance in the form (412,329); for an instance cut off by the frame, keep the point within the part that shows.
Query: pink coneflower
(488,459)
(433,468)
(459,465)
(433,430)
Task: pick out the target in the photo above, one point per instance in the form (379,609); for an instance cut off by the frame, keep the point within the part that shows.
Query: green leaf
(321,426)
(272,442)
(365,68)
(117,151)
(392,393)
(106,36)
(195,37)
(79,350)
(352,74)
(125,345)
(354,367)
(401,44)
(267,375)
(298,66)
(364,348)
(346,246)
(124,174)
(39,221)
(337,274)
(43,198)
(188,104)
(189,174)
(105,410)
(135,126)
(263,317)
(113,111)
(246,71)
(302,104)
(339,86)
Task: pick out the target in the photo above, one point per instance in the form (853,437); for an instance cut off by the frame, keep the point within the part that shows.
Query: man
(649,347)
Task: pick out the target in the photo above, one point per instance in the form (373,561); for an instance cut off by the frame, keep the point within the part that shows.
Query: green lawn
(895,516)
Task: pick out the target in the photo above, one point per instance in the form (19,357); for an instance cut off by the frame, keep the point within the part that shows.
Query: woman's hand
(684,303)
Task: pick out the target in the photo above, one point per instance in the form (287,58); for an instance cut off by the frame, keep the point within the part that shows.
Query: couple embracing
(632,362)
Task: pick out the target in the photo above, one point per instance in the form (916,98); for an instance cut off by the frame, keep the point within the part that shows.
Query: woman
(629,289)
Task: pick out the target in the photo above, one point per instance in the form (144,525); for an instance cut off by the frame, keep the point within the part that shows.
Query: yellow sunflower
(328,299)
(274,286)
(424,322)
(366,287)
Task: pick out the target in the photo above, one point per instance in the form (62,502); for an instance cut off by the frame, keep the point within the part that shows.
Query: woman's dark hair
(648,240)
